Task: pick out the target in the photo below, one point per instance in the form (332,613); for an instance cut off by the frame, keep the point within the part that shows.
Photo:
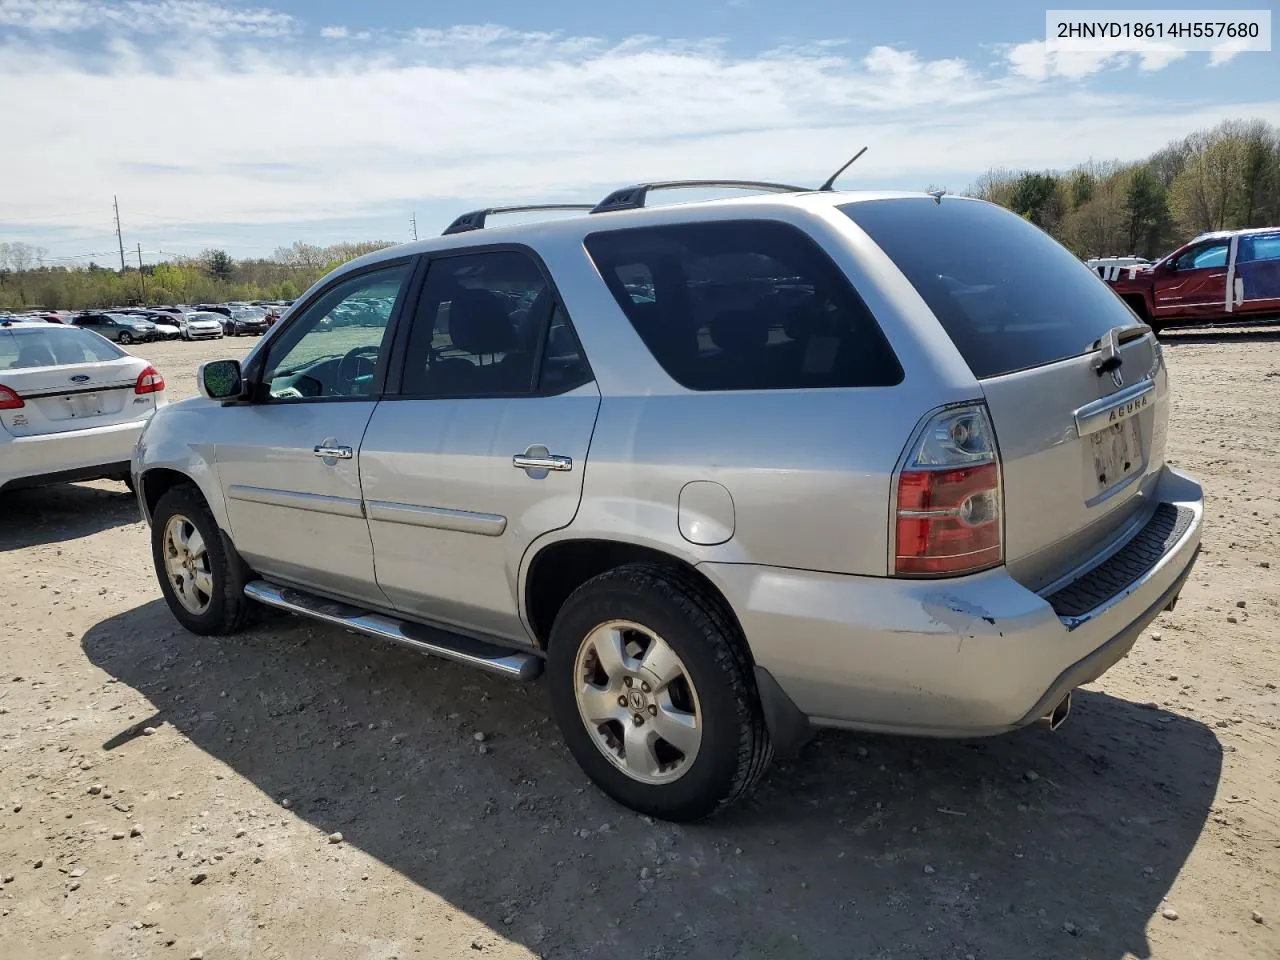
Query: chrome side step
(430,640)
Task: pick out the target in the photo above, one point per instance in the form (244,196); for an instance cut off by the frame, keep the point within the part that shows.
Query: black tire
(126,339)
(735,749)
(229,610)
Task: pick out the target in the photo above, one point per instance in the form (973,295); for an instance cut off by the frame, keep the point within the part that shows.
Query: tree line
(1224,178)
(213,277)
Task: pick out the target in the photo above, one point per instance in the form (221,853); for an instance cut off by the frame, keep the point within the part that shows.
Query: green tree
(218,263)
(1035,196)
(1146,208)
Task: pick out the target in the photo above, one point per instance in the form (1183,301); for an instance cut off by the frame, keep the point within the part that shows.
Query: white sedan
(72,405)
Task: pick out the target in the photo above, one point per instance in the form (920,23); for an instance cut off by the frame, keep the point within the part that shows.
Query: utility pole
(119,239)
(141,277)
(413,222)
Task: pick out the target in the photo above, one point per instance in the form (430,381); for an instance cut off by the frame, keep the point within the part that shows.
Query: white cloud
(144,16)
(487,113)
(1226,52)
(1035,60)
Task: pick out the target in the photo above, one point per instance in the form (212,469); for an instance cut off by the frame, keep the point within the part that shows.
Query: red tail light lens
(149,381)
(9,399)
(949,505)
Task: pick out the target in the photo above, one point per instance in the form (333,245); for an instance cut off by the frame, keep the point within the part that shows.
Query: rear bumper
(65,457)
(965,657)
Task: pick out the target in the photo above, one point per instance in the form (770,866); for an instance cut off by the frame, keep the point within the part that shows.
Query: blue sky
(250,125)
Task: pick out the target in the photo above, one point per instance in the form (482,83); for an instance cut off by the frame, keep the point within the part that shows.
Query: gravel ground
(298,791)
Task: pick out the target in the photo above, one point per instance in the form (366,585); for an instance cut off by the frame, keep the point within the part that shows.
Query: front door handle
(548,461)
(333,452)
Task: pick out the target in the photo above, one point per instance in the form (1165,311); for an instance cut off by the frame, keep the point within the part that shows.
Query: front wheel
(655,695)
(126,338)
(201,575)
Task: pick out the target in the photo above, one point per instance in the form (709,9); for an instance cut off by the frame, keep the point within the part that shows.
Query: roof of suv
(578,227)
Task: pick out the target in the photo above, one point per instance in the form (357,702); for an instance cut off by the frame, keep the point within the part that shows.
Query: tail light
(9,399)
(949,504)
(149,381)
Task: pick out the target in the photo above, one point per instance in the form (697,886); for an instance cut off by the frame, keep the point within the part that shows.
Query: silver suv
(728,470)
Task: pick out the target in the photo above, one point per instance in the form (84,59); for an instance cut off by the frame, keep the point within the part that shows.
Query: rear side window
(1009,296)
(478,328)
(743,305)
(55,347)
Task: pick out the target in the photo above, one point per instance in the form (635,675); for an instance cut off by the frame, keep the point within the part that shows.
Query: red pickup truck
(1221,277)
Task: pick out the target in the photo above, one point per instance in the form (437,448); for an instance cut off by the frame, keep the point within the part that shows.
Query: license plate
(84,405)
(1116,453)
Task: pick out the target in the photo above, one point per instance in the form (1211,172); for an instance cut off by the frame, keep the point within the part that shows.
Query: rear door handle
(332,452)
(550,461)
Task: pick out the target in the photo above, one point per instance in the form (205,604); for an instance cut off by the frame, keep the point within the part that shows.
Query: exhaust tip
(1058,715)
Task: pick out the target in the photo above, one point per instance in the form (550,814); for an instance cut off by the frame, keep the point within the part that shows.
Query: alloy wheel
(638,701)
(186,564)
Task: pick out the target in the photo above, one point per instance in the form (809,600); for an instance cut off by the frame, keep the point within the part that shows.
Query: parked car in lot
(726,471)
(239,319)
(1108,268)
(168,326)
(120,327)
(248,320)
(71,405)
(1228,276)
(201,325)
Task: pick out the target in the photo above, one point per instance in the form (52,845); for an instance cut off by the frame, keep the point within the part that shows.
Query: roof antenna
(938,195)
(832,179)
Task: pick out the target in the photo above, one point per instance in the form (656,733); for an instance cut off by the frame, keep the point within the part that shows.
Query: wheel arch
(553,571)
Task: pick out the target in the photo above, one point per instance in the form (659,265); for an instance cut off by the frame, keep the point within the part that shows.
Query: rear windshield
(53,347)
(1009,295)
(743,305)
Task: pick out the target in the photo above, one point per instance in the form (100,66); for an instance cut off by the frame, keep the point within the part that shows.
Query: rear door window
(743,305)
(1009,296)
(481,328)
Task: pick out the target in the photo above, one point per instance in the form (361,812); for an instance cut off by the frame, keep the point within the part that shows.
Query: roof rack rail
(475,220)
(633,198)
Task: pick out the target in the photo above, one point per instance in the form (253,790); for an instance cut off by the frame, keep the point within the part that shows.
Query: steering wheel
(357,366)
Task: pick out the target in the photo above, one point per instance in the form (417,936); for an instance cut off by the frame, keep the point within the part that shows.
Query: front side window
(1201,258)
(478,327)
(321,357)
(743,305)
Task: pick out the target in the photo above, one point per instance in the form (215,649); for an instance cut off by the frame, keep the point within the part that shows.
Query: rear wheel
(126,338)
(200,573)
(655,695)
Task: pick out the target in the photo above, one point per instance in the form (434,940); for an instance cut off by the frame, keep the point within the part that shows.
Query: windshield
(1009,295)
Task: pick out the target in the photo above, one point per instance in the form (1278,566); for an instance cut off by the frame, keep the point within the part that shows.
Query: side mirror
(220,380)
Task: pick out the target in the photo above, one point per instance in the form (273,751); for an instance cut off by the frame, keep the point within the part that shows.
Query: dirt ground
(166,795)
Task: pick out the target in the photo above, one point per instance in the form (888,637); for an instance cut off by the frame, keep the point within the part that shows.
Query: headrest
(806,319)
(479,323)
(737,331)
(35,355)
